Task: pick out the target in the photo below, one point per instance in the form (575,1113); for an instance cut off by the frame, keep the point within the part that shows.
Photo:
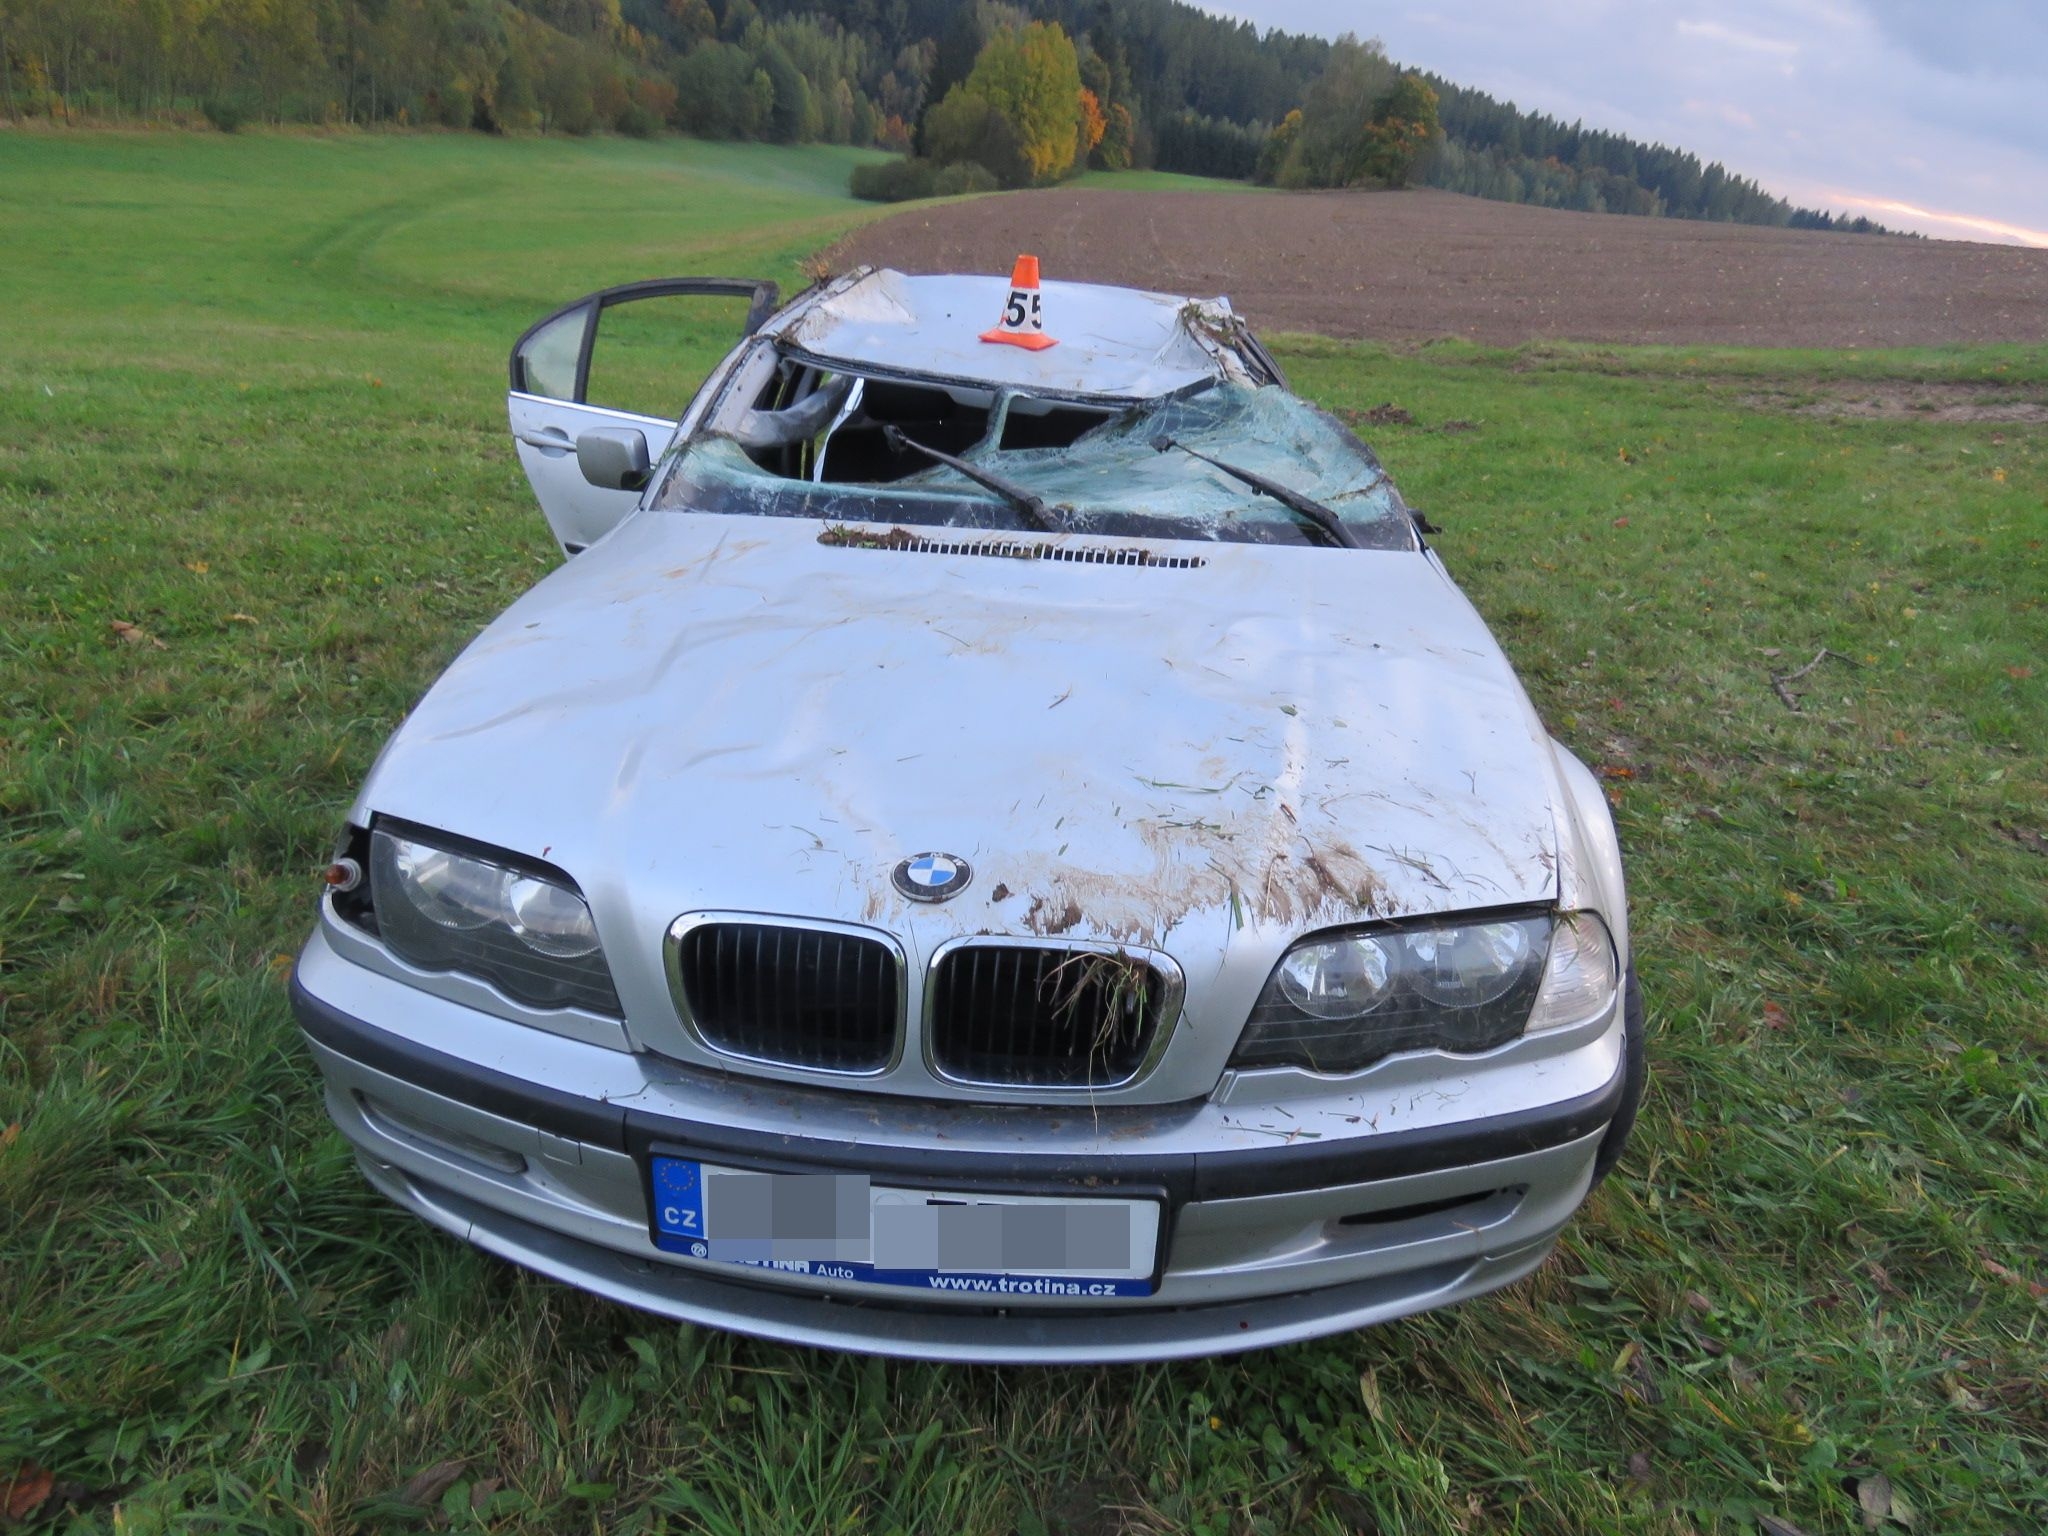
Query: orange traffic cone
(1023,324)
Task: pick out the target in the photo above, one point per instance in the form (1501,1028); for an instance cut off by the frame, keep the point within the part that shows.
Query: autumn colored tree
(1328,147)
(1092,127)
(1031,78)
(893,134)
(1399,132)
(1119,137)
(1279,146)
(1362,121)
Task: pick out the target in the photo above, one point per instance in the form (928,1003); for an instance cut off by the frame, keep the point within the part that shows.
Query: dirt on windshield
(1405,266)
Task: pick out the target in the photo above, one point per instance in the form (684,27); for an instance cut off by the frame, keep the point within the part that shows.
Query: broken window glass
(1096,466)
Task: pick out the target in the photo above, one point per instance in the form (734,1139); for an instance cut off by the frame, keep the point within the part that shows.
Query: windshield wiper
(1035,509)
(1332,527)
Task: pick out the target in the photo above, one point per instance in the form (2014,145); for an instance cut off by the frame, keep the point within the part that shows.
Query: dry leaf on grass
(134,634)
(1369,1391)
(424,1489)
(1999,1271)
(1878,1501)
(24,1490)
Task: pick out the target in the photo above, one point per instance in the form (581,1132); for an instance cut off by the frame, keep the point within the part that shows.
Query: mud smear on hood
(1197,866)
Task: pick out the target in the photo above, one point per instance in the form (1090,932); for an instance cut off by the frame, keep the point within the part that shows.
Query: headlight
(1337,1004)
(528,935)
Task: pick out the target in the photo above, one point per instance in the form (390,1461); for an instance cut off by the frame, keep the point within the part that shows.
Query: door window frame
(764,295)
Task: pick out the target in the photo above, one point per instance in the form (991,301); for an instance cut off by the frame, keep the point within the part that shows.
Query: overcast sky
(1923,114)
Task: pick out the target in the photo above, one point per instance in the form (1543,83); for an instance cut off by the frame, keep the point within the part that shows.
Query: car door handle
(548,440)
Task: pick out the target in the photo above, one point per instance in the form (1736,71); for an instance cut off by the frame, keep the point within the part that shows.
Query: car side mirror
(614,458)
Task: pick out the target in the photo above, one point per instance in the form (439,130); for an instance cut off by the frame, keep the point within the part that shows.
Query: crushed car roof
(1113,342)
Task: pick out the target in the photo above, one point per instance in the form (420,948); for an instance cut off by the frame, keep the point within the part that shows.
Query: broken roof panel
(1116,343)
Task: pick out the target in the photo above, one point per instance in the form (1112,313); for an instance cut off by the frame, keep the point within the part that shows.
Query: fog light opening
(400,1126)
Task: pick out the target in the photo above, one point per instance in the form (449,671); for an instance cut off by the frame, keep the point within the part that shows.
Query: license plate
(846,1227)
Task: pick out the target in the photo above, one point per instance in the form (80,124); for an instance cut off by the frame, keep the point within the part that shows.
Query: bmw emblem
(932,876)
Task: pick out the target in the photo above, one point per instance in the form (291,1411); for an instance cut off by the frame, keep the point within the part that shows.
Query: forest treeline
(975,93)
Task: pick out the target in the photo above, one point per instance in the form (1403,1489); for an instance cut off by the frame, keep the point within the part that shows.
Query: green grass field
(1158,181)
(256,490)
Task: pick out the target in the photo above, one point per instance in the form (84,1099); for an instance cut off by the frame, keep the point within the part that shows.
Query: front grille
(1019,1016)
(799,997)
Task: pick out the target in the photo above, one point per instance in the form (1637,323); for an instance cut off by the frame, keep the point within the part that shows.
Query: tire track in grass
(339,249)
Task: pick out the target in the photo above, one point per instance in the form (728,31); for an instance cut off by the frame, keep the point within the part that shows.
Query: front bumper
(535,1148)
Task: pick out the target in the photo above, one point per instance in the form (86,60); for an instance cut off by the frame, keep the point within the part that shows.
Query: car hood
(767,715)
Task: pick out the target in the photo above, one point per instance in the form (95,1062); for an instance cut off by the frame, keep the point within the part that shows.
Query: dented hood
(733,713)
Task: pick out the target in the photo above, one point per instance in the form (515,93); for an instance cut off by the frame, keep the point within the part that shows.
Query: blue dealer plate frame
(677,1218)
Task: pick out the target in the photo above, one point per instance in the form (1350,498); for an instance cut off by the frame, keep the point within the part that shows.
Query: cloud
(1714,32)
(2010,233)
(1726,111)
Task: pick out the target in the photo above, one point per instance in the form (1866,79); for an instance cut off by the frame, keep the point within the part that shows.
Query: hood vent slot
(906,542)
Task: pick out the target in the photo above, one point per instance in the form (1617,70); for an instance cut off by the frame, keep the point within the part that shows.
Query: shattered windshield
(1105,478)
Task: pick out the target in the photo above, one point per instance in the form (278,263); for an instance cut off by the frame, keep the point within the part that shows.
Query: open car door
(615,372)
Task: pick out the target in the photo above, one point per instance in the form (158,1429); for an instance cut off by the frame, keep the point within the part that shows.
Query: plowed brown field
(1420,264)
